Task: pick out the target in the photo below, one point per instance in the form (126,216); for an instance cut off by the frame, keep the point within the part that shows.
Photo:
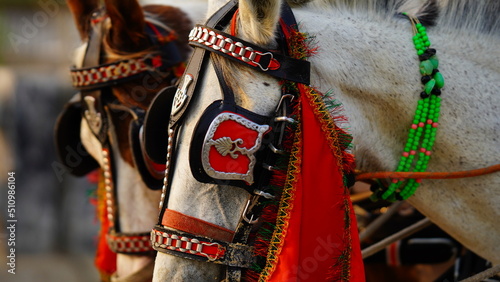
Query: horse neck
(372,69)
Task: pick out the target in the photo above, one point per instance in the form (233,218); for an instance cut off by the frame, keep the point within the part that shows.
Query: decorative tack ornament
(93,116)
(180,95)
(418,148)
(230,146)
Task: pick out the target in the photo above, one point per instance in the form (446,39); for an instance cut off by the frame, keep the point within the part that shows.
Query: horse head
(129,54)
(230,153)
(364,60)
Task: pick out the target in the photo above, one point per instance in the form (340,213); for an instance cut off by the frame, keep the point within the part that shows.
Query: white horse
(367,59)
(124,37)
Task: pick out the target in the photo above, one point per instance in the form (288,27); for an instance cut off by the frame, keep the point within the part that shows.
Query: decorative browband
(260,59)
(187,245)
(129,243)
(113,72)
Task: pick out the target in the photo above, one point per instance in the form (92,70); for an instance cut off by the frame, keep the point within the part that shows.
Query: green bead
(429,86)
(427,43)
(438,77)
(418,46)
(435,62)
(426,68)
(421,29)
(420,52)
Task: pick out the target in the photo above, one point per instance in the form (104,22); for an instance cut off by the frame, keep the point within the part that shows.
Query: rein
(428,175)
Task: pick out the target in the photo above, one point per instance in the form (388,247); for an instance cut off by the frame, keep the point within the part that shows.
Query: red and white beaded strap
(228,46)
(110,72)
(108,184)
(122,243)
(164,240)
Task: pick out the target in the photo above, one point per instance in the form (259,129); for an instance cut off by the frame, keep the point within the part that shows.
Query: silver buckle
(262,54)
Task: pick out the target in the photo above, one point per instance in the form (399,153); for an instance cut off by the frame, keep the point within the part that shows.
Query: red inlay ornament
(230,146)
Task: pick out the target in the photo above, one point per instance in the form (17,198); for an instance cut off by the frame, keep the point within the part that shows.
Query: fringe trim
(270,238)
(282,221)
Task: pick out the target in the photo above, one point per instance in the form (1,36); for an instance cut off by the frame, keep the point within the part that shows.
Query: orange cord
(428,175)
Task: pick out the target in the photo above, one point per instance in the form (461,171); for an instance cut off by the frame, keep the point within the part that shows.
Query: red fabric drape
(321,241)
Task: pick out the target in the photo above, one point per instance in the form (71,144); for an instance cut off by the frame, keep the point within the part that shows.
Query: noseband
(226,132)
(95,103)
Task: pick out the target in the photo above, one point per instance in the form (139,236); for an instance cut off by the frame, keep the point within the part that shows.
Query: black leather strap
(222,16)
(92,58)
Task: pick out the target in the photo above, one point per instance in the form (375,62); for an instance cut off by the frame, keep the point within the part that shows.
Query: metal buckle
(252,202)
(263,194)
(262,54)
(276,150)
(280,103)
(180,95)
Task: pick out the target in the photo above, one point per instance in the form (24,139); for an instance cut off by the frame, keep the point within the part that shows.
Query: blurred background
(56,223)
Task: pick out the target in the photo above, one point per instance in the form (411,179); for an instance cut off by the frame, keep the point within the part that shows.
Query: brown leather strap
(176,220)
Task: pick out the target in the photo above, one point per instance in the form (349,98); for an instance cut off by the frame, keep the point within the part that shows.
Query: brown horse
(129,54)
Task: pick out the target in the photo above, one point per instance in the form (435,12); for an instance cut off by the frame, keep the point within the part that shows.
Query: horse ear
(127,25)
(82,11)
(258,20)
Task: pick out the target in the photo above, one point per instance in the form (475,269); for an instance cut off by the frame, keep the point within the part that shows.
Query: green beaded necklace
(418,148)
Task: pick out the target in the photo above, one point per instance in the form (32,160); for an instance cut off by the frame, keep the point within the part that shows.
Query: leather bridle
(188,237)
(94,81)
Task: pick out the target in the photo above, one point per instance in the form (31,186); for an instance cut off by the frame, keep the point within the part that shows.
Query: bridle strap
(189,81)
(179,221)
(94,75)
(253,56)
(111,74)
(428,175)
(186,245)
(129,243)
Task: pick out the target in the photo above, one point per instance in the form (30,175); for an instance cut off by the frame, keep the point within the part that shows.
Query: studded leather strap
(200,248)
(251,55)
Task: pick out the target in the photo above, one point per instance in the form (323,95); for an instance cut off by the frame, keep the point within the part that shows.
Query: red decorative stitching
(129,244)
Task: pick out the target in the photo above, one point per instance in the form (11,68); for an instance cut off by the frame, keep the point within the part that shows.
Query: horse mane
(475,16)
